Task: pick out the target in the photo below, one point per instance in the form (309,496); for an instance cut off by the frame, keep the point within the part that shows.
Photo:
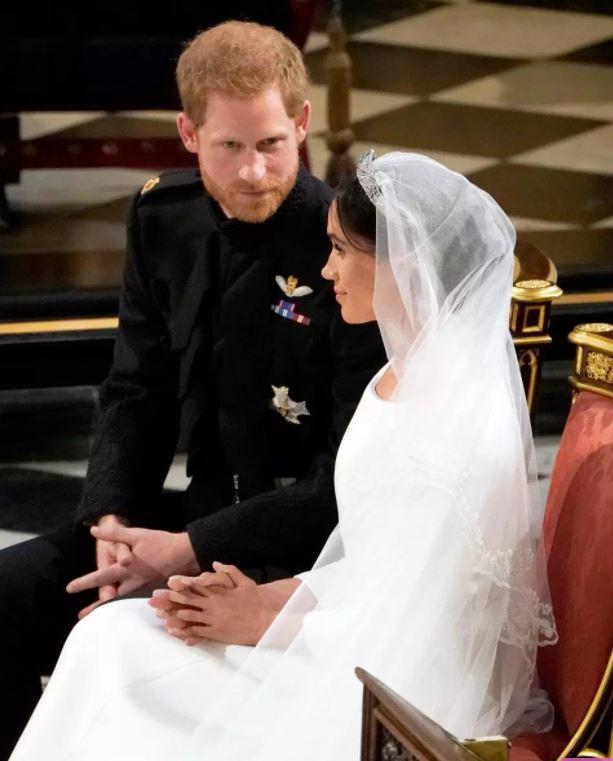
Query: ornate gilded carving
(595,327)
(392,750)
(535,289)
(530,284)
(593,369)
(599,367)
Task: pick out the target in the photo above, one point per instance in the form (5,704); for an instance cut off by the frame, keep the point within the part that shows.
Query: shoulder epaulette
(173,179)
(149,185)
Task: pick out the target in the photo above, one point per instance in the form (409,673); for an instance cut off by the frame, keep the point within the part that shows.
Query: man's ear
(187,132)
(302,121)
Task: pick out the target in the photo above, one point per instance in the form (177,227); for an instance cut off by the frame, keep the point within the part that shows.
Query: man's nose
(254,168)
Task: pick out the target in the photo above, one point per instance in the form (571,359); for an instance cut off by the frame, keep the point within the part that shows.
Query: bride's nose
(328,272)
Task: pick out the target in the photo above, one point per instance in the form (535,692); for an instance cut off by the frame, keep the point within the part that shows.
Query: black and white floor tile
(40,495)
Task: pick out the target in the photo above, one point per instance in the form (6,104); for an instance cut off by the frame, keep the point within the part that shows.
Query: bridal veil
(434,579)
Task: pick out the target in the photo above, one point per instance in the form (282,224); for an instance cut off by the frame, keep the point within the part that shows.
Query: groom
(228,337)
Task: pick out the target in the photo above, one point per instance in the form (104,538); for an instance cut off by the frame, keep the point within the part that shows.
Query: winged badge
(291,288)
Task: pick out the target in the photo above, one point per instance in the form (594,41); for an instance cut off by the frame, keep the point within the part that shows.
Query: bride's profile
(433,580)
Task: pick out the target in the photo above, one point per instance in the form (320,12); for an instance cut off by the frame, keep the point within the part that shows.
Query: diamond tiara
(366,175)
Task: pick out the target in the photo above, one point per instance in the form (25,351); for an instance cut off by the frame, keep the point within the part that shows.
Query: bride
(433,580)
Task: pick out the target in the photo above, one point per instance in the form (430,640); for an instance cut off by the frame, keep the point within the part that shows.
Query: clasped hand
(225,606)
(131,558)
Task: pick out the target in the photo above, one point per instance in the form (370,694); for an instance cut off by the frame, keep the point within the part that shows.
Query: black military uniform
(230,338)
(230,328)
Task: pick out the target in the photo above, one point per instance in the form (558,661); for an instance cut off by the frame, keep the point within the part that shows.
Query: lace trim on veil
(529,621)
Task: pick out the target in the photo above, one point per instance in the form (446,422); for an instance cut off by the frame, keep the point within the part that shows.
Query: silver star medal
(291,288)
(286,407)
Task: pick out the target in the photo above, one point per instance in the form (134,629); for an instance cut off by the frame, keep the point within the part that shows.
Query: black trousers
(37,614)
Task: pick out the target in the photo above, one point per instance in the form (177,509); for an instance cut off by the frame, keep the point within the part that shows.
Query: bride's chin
(346,315)
(351,317)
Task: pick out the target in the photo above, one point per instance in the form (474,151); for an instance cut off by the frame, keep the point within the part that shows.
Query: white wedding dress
(432,580)
(125,690)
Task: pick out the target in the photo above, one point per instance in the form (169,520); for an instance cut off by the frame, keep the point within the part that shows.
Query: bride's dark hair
(356,214)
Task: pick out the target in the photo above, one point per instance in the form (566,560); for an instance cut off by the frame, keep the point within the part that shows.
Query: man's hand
(108,553)
(153,557)
(209,608)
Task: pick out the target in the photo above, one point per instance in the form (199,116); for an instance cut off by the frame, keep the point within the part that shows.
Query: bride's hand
(235,612)
(168,601)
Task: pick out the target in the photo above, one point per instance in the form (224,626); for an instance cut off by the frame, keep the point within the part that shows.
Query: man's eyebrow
(274,136)
(223,136)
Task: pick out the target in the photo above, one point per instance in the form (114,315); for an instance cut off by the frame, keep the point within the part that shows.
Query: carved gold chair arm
(534,289)
(593,369)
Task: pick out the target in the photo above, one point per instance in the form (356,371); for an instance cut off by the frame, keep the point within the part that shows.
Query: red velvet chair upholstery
(579,538)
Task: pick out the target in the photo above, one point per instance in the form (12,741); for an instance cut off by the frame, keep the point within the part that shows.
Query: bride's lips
(339,294)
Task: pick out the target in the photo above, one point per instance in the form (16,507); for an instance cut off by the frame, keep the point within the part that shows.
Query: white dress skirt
(125,690)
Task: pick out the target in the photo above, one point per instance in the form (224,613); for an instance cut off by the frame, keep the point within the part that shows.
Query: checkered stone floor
(517,97)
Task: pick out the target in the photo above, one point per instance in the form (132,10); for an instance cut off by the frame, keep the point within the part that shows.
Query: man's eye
(229,144)
(271,141)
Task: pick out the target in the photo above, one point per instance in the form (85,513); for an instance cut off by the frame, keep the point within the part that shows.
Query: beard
(256,208)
